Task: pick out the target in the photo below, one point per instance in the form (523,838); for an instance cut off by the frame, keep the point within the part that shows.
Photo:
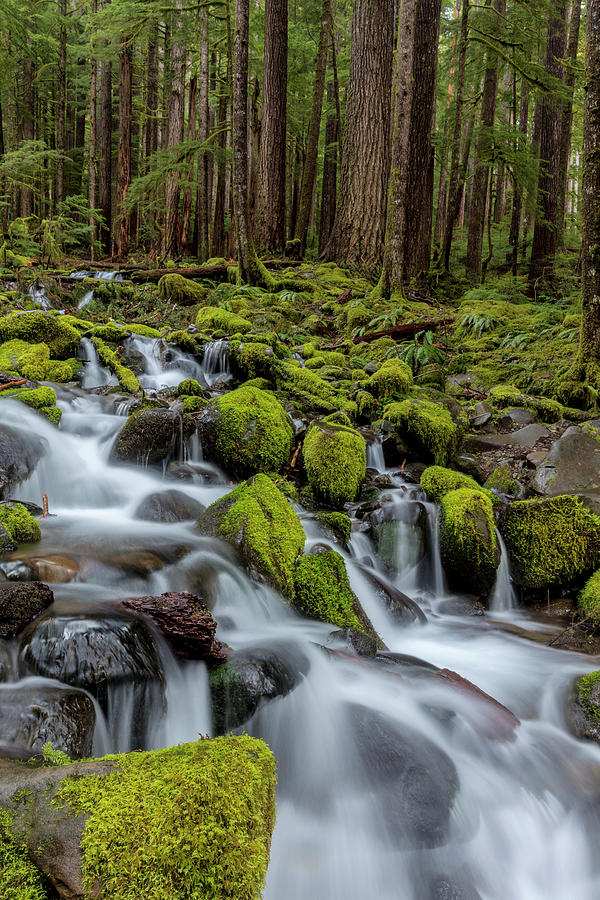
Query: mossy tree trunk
(174,129)
(125,74)
(590,330)
(567,118)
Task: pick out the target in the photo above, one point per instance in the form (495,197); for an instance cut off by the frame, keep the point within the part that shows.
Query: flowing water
(525,814)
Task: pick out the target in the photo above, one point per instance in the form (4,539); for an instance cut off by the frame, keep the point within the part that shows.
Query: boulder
(20,604)
(151,436)
(427,427)
(572,466)
(168,506)
(32,714)
(184,621)
(20,452)
(188,821)
(398,533)
(524,439)
(468,546)
(20,525)
(583,707)
(257,519)
(437,481)
(335,460)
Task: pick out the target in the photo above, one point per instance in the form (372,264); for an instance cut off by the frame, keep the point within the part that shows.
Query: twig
(45,506)
(11,384)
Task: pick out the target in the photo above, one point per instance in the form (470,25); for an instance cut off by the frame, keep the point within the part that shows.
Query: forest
(300,449)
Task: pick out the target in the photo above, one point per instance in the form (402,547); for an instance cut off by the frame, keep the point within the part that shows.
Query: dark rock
(413,781)
(32,508)
(6,662)
(7,545)
(151,436)
(33,714)
(452,888)
(54,568)
(536,458)
(413,665)
(525,438)
(572,466)
(169,506)
(460,606)
(398,604)
(486,715)
(469,465)
(354,641)
(198,473)
(20,452)
(482,414)
(583,713)
(20,604)
(250,678)
(518,416)
(399,529)
(184,621)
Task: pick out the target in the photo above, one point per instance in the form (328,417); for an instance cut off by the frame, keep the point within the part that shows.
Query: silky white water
(525,817)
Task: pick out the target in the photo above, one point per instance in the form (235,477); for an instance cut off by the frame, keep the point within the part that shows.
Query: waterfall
(503,597)
(94,374)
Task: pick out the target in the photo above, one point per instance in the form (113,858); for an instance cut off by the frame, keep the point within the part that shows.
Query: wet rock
(414,666)
(572,466)
(198,473)
(468,547)
(353,641)
(31,508)
(583,707)
(20,604)
(251,678)
(151,436)
(184,621)
(486,715)
(468,465)
(17,570)
(141,563)
(168,506)
(7,545)
(103,654)
(413,781)
(460,606)
(32,715)
(54,568)
(452,888)
(6,663)
(578,639)
(20,452)
(400,606)
(517,416)
(398,532)
(482,414)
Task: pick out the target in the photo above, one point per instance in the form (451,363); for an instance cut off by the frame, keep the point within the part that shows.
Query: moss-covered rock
(310,390)
(437,481)
(212,318)
(254,359)
(338,523)
(502,481)
(257,519)
(111,332)
(39,327)
(189,388)
(19,523)
(150,436)
(37,397)
(392,377)
(182,290)
(246,431)
(335,461)
(504,396)
(589,599)
(551,543)
(468,545)
(426,426)
(19,878)
(127,380)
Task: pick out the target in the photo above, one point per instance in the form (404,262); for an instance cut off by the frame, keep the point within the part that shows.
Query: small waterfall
(375,458)
(102,276)
(164,365)
(87,298)
(216,361)
(438,578)
(94,374)
(38,295)
(503,598)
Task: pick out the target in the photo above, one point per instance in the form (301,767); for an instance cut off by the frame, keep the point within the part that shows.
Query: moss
(589,599)
(184,340)
(110,332)
(501,480)
(468,543)
(357,315)
(211,318)
(323,591)
(39,327)
(190,388)
(366,404)
(255,359)
(437,481)
(19,878)
(326,358)
(60,372)
(193,404)
(311,390)
(257,518)
(335,461)
(192,822)
(427,426)
(10,351)
(392,377)
(338,523)
(142,330)
(504,396)
(38,397)
(585,689)
(33,362)
(19,523)
(109,358)
(553,542)
(182,290)
(377,351)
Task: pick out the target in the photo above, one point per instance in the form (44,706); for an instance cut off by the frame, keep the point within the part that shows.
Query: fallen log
(404,330)
(217,271)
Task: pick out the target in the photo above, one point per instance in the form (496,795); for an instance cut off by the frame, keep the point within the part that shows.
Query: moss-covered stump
(392,377)
(19,524)
(182,290)
(150,436)
(551,543)
(39,327)
(427,427)
(335,460)
(468,545)
(212,319)
(437,481)
(257,519)
(191,822)
(246,431)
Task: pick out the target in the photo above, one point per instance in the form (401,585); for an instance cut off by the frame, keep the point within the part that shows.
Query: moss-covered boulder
(254,359)
(187,823)
(589,599)
(437,481)
(257,519)
(20,604)
(468,545)
(427,427)
(502,481)
(42,399)
(182,290)
(212,318)
(20,525)
(127,380)
(504,396)
(310,391)
(40,327)
(392,377)
(335,460)
(583,709)
(551,543)
(337,523)
(150,436)
(246,431)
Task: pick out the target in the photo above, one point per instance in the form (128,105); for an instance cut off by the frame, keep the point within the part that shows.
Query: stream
(357,743)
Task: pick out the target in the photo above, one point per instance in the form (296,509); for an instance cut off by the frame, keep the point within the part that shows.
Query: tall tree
(125,76)
(93,158)
(104,144)
(567,117)
(329,180)
(61,96)
(270,209)
(175,124)
(203,195)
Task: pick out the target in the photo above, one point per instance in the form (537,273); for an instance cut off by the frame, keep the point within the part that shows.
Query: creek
(368,752)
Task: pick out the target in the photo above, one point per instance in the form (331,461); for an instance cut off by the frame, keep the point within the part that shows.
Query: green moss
(437,481)
(192,822)
(585,686)
(125,376)
(19,878)
(111,332)
(38,397)
(59,372)
(553,542)
(589,599)
(257,518)
(378,351)
(190,388)
(10,351)
(326,358)
(338,523)
(335,461)
(357,315)
(193,404)
(182,290)
(504,396)
(184,340)
(323,591)
(310,390)
(39,327)
(33,362)
(366,404)
(142,330)
(19,523)
(501,480)
(392,377)
(427,426)
(468,543)
(255,359)
(211,318)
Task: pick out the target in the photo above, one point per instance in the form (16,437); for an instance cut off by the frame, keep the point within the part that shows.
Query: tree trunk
(104,147)
(517,202)
(270,208)
(61,94)
(483,150)
(175,124)
(93,157)
(546,223)
(312,145)
(329,183)
(28,121)
(567,120)
(218,231)
(359,229)
(186,206)
(125,67)
(590,326)
(203,195)
(151,126)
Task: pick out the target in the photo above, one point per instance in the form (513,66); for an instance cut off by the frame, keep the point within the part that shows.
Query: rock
(20,604)
(54,568)
(337,525)
(31,508)
(335,459)
(151,436)
(7,545)
(525,438)
(353,641)
(437,481)
(460,606)
(168,506)
(445,887)
(20,452)
(412,780)
(583,707)
(487,715)
(257,519)
(21,526)
(427,427)
(251,678)
(401,608)
(138,819)
(572,466)
(184,621)
(502,481)
(482,414)
(536,458)
(469,465)
(105,655)
(398,532)
(468,546)
(33,714)
(517,416)
(6,662)
(17,570)
(246,431)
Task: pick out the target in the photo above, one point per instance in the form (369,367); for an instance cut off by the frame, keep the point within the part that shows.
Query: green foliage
(54,757)
(323,590)
(22,528)
(19,878)
(38,327)
(127,380)
(589,599)
(393,377)
(335,461)
(338,523)
(182,290)
(421,351)
(585,686)
(437,481)
(504,395)
(427,426)
(213,319)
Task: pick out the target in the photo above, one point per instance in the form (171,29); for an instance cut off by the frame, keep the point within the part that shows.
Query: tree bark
(125,71)
(93,158)
(359,229)
(151,126)
(590,326)
(186,206)
(202,195)
(28,120)
(517,201)
(567,120)
(175,124)
(329,182)
(218,230)
(270,207)
(61,94)
(104,147)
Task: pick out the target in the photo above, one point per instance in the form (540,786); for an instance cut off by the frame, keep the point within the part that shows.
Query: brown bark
(517,202)
(174,130)
(104,147)
(186,206)
(359,228)
(125,71)
(28,121)
(151,125)
(203,194)
(218,230)
(270,208)
(93,158)
(329,182)
(567,119)
(61,94)
(407,329)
